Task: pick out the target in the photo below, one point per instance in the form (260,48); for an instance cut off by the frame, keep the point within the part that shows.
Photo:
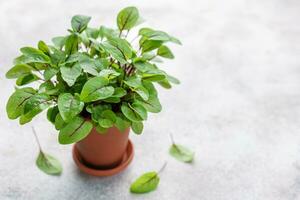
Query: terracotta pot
(103,153)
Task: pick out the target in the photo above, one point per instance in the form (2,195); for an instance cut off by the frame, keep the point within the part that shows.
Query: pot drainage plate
(128,156)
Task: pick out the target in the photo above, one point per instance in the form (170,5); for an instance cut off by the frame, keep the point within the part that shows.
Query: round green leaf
(80,22)
(145,183)
(36,104)
(139,109)
(127,18)
(48,164)
(75,131)
(52,113)
(143,92)
(17,100)
(165,52)
(69,106)
(59,122)
(18,70)
(70,74)
(106,123)
(130,113)
(26,79)
(96,89)
(137,127)
(181,153)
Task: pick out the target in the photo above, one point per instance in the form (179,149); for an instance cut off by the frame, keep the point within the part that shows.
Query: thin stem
(36,138)
(172,139)
(120,33)
(127,34)
(163,167)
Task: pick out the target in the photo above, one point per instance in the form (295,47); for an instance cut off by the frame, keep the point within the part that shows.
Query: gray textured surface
(238,105)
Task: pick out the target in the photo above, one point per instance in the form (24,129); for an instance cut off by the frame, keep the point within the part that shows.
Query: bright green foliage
(181,153)
(145,183)
(48,164)
(92,73)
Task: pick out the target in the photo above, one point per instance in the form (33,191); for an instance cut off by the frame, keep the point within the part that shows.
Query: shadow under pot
(104,154)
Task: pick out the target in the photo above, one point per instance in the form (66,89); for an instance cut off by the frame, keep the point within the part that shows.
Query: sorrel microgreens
(92,77)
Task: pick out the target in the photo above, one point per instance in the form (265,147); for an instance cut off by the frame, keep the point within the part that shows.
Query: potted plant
(95,86)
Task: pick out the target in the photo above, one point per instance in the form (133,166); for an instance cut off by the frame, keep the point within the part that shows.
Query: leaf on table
(145,183)
(181,153)
(48,164)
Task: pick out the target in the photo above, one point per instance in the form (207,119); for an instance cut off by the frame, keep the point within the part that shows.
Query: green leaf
(58,56)
(101,129)
(119,49)
(145,183)
(130,113)
(149,45)
(181,153)
(153,75)
(79,23)
(137,127)
(112,100)
(105,32)
(108,114)
(71,45)
(172,79)
(96,89)
(26,79)
(75,131)
(59,41)
(108,119)
(143,92)
(106,123)
(32,55)
(143,66)
(165,52)
(139,109)
(92,32)
(152,104)
(97,110)
(43,47)
(17,100)
(121,123)
(165,84)
(27,51)
(18,70)
(119,92)
(127,18)
(134,112)
(52,113)
(88,65)
(48,88)
(70,74)
(69,106)
(49,73)
(154,35)
(48,164)
(109,73)
(133,82)
(59,122)
(36,104)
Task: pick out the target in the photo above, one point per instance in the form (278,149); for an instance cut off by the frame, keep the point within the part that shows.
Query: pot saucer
(127,158)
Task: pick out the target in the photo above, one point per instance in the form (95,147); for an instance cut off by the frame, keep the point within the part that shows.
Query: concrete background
(238,105)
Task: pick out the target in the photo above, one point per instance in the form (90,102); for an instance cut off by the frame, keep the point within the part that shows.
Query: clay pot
(104,154)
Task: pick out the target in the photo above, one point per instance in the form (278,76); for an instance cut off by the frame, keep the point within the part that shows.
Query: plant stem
(36,138)
(172,139)
(120,33)
(127,34)
(163,167)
